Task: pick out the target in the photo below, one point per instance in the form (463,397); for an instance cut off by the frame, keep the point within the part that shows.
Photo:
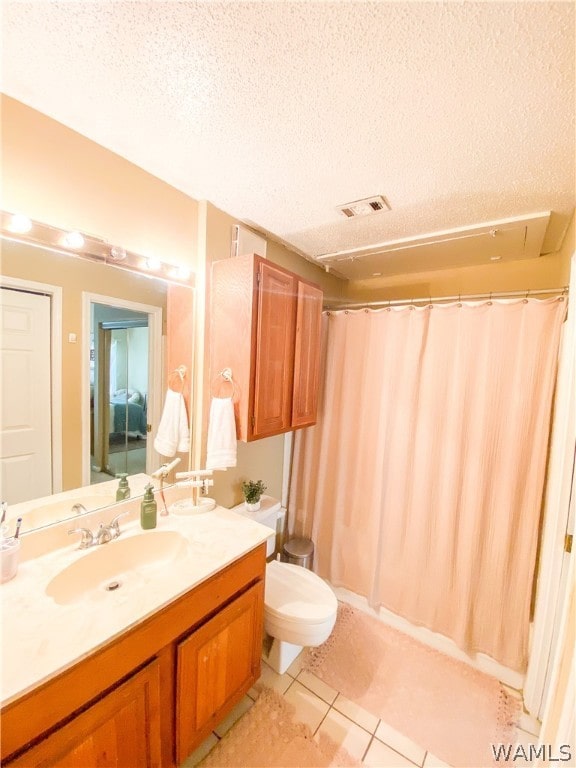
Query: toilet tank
(266,515)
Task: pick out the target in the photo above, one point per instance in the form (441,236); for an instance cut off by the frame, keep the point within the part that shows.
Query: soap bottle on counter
(123,490)
(148,509)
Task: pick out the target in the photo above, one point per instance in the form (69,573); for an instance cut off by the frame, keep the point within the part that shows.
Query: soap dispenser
(148,509)
(123,490)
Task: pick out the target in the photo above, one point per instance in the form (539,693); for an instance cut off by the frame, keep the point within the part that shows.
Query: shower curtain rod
(437,299)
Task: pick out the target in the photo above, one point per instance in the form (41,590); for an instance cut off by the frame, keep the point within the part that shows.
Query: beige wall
(56,176)
(551,271)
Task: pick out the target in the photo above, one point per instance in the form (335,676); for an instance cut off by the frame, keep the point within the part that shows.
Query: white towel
(221,448)
(173,434)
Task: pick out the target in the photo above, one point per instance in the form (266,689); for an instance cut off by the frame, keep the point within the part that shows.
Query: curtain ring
(459,300)
(526,297)
(389,307)
(490,299)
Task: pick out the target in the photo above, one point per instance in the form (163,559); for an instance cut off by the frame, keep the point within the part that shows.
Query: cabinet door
(122,730)
(215,667)
(274,361)
(307,355)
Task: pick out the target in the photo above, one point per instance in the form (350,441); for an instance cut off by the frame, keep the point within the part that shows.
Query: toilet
(299,607)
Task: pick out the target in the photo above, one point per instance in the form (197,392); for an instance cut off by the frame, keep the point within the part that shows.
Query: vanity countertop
(41,638)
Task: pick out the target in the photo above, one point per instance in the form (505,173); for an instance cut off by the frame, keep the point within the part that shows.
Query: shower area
(422,482)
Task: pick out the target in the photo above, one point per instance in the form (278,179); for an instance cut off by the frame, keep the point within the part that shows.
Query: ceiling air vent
(364,207)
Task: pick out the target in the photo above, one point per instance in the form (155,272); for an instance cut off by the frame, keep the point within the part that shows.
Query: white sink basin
(116,565)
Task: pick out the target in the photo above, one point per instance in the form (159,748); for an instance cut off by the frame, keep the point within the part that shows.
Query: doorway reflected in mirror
(119,389)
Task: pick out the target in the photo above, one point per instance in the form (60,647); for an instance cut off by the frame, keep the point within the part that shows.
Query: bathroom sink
(119,564)
(58,510)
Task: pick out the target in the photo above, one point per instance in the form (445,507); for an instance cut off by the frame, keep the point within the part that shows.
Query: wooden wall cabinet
(265,325)
(151,696)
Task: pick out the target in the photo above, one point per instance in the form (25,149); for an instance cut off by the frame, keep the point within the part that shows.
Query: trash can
(299,551)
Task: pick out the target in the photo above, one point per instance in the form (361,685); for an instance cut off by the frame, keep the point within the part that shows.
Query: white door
(558,521)
(25,418)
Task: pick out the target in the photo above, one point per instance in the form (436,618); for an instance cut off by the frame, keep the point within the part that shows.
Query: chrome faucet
(87,539)
(114,526)
(79,509)
(103,535)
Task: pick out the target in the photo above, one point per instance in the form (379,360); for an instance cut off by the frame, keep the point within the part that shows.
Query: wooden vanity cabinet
(265,326)
(215,668)
(120,729)
(151,696)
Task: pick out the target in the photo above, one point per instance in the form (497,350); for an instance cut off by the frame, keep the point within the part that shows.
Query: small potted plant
(252,490)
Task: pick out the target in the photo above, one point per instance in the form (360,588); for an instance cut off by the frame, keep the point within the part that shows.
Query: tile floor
(324,709)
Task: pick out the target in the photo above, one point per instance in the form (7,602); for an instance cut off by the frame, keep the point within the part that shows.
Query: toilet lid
(295,593)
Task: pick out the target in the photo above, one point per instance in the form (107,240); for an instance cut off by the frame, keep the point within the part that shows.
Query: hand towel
(221,448)
(173,434)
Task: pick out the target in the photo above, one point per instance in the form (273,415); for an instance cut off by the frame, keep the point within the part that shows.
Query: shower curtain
(421,483)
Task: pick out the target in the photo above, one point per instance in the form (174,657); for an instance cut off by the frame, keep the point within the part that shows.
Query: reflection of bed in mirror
(127,414)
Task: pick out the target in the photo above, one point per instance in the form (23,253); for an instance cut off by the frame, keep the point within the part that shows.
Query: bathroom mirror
(77,381)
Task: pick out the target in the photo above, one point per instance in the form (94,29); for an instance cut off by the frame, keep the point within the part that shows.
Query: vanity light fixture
(20,223)
(18,228)
(117,253)
(180,273)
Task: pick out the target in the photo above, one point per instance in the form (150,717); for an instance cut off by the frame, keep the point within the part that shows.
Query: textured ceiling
(276,112)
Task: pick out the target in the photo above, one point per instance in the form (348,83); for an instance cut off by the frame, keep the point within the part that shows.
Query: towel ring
(180,372)
(224,377)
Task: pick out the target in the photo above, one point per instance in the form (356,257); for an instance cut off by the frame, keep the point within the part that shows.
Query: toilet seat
(299,607)
(294,594)
(299,611)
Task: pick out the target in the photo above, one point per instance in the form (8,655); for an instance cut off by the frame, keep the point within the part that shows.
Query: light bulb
(20,223)
(73,240)
(153,264)
(117,253)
